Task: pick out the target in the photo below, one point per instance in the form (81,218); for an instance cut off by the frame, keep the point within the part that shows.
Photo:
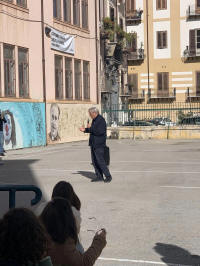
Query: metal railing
(133,95)
(153,114)
(12,189)
(134,16)
(190,53)
(192,12)
(190,94)
(162,94)
(137,55)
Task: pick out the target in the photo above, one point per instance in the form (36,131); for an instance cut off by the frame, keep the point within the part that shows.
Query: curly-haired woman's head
(22,237)
(59,221)
(65,190)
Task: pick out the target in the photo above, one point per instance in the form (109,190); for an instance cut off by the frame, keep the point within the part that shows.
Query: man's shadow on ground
(89,175)
(172,254)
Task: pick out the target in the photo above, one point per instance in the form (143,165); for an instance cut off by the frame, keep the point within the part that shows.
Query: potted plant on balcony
(129,38)
(107,33)
(120,32)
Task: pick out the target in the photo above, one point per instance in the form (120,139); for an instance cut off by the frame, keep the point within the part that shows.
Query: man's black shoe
(97,180)
(108,179)
(2,154)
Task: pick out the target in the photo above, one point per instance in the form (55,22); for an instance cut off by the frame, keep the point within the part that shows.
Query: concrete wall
(145,133)
(64,121)
(25,125)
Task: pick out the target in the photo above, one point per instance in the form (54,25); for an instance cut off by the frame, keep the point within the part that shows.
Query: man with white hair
(97,142)
(2,121)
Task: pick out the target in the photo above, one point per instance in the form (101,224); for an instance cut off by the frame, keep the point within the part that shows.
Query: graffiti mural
(64,121)
(25,126)
(54,121)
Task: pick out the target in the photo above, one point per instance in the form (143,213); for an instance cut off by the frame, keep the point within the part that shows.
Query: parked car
(137,123)
(167,122)
(155,121)
(162,121)
(191,121)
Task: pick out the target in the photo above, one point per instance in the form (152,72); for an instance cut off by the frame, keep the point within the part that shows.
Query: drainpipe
(43,65)
(97,52)
(148,65)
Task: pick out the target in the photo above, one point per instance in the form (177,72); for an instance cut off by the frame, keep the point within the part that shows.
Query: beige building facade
(49,69)
(164,57)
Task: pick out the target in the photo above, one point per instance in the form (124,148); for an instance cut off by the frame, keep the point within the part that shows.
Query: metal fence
(172,114)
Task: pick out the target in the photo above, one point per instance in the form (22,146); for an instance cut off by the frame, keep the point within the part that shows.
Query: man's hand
(82,129)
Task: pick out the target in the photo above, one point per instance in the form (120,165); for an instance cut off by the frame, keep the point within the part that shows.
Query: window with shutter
(67,10)
(198,83)
(78,79)
(164,4)
(164,36)
(163,82)
(57,9)
(192,45)
(86,80)
(133,83)
(85,14)
(161,39)
(68,79)
(159,81)
(198,4)
(161,4)
(112,14)
(58,77)
(76,12)
(9,71)
(128,5)
(132,5)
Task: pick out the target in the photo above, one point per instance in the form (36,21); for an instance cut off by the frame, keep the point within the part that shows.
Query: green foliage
(181,115)
(130,36)
(111,28)
(108,24)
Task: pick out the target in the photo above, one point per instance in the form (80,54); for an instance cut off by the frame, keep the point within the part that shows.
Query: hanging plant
(108,24)
(120,32)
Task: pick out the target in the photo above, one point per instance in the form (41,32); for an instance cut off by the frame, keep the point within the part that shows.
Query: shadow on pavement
(17,172)
(89,175)
(172,254)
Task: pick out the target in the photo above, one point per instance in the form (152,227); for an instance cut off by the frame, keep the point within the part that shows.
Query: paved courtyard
(151,210)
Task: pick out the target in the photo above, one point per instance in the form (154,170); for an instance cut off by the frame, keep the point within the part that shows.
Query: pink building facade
(46,90)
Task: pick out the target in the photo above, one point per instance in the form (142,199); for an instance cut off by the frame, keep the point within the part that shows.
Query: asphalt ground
(151,210)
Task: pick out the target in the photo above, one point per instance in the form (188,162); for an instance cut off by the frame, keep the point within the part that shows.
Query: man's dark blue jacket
(97,132)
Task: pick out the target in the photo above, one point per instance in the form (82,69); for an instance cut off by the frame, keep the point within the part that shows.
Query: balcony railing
(193,12)
(133,95)
(190,95)
(138,95)
(134,17)
(162,94)
(137,55)
(125,93)
(190,54)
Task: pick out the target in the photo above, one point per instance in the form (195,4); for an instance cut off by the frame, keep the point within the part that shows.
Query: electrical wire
(39,21)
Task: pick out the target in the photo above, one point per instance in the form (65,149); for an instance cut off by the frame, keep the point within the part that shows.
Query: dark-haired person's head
(22,238)
(65,190)
(59,221)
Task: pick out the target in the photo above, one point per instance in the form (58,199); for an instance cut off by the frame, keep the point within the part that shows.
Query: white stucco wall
(162,26)
(184,4)
(160,14)
(139,29)
(186,26)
